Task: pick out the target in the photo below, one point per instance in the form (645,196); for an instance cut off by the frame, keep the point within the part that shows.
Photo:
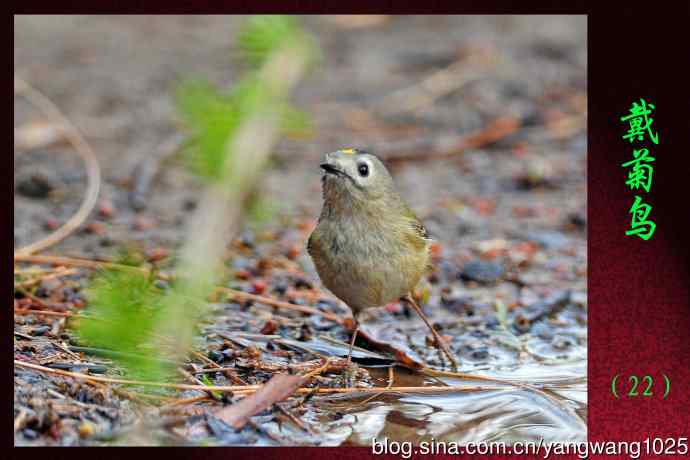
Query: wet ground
(508,289)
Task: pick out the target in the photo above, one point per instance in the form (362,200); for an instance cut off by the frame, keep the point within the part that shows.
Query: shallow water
(502,413)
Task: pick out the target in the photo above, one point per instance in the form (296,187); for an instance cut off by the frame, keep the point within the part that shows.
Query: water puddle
(500,414)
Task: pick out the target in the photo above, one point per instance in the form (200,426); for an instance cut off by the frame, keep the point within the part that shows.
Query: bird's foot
(349,375)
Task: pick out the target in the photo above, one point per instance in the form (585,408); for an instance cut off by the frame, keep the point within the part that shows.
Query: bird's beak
(330,168)
(331,165)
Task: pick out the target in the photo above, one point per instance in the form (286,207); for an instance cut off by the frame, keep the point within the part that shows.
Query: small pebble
(542,331)
(215,356)
(305,333)
(106,209)
(51,224)
(325,304)
(247,239)
(189,204)
(35,186)
(258,287)
(95,228)
(161,284)
(393,307)
(243,274)
(303,283)
(142,223)
(106,241)
(293,252)
(480,354)
(549,239)
(40,330)
(269,327)
(576,220)
(562,343)
(486,272)
(157,254)
(280,288)
(86,430)
(29,433)
(492,322)
(522,324)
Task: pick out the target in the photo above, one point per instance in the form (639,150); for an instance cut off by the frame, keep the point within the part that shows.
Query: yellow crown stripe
(349,151)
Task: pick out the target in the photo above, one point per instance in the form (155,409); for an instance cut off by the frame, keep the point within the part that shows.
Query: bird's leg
(350,370)
(437,338)
(352,344)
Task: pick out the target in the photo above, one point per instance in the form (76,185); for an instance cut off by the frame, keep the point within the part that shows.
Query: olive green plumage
(369,248)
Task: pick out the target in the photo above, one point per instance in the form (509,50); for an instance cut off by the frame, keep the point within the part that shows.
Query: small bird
(369,248)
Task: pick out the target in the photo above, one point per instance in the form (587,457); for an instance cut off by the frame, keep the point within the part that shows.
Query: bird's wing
(416,224)
(420,238)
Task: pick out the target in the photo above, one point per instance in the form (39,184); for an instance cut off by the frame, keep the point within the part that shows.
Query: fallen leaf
(390,340)
(277,389)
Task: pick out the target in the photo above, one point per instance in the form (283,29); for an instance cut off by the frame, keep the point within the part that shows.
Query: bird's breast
(365,265)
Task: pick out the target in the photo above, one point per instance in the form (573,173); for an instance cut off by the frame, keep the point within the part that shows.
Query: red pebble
(293,252)
(306,225)
(269,327)
(258,287)
(493,253)
(435,249)
(106,209)
(156,254)
(483,206)
(95,228)
(525,247)
(54,431)
(393,307)
(51,223)
(520,150)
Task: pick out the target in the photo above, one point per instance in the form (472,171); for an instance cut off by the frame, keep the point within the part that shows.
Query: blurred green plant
(126,307)
(231,135)
(213,116)
(263,35)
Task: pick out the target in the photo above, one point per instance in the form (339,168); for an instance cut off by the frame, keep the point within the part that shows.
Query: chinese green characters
(640,123)
(640,169)
(640,226)
(641,173)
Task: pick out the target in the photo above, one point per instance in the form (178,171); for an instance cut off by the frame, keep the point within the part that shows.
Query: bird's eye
(363,169)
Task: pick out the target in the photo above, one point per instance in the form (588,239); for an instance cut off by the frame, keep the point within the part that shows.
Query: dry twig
(494,131)
(249,389)
(82,148)
(438,84)
(92,264)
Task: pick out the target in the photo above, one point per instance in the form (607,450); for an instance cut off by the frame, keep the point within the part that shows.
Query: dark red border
(639,307)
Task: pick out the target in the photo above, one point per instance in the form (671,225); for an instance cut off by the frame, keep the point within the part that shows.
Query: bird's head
(356,175)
